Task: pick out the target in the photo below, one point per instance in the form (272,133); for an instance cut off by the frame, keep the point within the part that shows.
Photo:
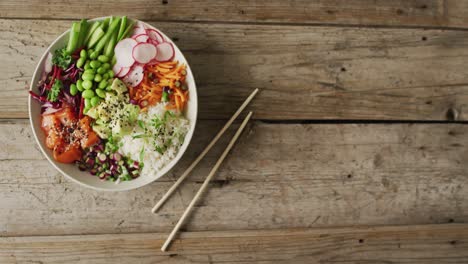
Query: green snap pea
(79,85)
(103,58)
(106,66)
(98,77)
(80,62)
(87,94)
(89,71)
(87,66)
(87,76)
(87,84)
(73,89)
(100,93)
(93,55)
(95,101)
(102,84)
(95,64)
(83,54)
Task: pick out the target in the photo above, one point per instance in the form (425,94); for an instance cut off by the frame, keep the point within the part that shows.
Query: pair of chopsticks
(212,172)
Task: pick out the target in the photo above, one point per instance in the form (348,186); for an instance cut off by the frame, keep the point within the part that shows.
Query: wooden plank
(385,244)
(304,72)
(425,13)
(324,175)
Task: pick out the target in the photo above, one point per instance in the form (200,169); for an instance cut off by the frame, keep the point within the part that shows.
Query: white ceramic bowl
(71,171)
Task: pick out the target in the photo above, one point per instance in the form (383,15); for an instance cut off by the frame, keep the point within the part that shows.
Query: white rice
(152,159)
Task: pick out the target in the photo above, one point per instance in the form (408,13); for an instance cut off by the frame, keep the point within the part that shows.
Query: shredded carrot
(169,75)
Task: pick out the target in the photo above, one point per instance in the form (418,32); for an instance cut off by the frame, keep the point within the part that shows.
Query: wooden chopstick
(205,183)
(200,157)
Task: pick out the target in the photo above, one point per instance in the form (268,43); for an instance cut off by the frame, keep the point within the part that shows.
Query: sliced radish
(123,72)
(139,29)
(165,52)
(152,41)
(141,38)
(116,69)
(155,35)
(152,62)
(144,52)
(135,76)
(123,52)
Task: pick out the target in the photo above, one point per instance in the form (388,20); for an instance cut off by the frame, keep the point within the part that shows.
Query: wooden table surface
(357,152)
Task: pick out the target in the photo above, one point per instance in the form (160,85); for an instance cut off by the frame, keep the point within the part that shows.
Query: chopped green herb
(142,154)
(61,58)
(52,95)
(141,124)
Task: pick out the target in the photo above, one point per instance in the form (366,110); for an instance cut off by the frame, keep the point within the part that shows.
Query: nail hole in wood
(349,176)
(399,12)
(451,114)
(424,38)
(175,39)
(428,102)
(453,242)
(361,241)
(165,2)
(424,7)
(343,69)
(241,12)
(450,220)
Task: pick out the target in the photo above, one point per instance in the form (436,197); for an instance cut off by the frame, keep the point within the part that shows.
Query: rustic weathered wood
(304,72)
(324,175)
(387,244)
(425,13)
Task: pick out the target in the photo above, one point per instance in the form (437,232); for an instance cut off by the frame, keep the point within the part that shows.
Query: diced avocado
(118,86)
(92,112)
(132,111)
(101,130)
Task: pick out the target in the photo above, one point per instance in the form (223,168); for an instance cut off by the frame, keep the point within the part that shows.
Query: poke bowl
(113,103)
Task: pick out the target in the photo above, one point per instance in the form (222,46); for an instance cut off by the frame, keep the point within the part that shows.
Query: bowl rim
(166,168)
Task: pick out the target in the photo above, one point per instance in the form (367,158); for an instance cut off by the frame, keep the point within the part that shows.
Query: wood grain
(385,244)
(324,175)
(421,13)
(303,72)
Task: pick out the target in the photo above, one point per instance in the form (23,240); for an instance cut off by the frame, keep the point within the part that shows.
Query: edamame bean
(87,93)
(103,58)
(87,66)
(93,55)
(101,70)
(98,77)
(109,88)
(95,101)
(80,62)
(83,54)
(73,89)
(87,84)
(102,84)
(105,76)
(87,76)
(79,85)
(89,71)
(106,66)
(111,73)
(100,93)
(87,103)
(95,64)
